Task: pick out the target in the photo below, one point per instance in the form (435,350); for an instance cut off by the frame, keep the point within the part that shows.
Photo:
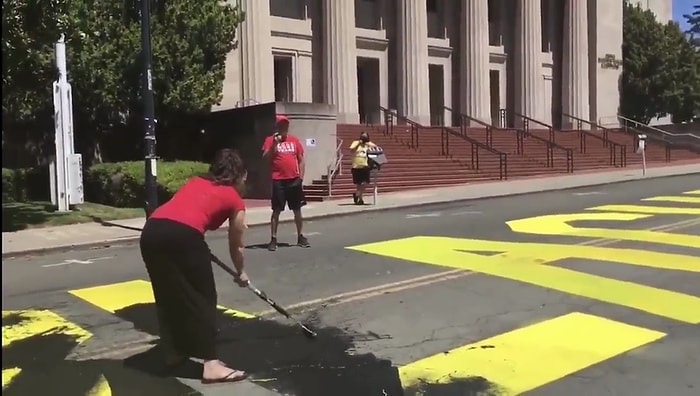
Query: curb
(124,241)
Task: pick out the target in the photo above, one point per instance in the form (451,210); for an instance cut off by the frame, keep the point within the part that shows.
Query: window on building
(432,5)
(284,78)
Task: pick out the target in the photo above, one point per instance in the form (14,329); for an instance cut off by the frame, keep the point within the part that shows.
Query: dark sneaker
(360,201)
(354,198)
(272,246)
(303,242)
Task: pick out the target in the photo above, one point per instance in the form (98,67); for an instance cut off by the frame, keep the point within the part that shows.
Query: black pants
(178,262)
(360,175)
(289,192)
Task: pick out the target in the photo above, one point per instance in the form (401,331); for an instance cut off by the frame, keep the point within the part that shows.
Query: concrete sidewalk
(95,234)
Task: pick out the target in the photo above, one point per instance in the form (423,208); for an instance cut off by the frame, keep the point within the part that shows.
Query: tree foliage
(694,22)
(661,72)
(190,41)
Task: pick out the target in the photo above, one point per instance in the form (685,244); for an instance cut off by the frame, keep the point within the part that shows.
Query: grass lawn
(21,215)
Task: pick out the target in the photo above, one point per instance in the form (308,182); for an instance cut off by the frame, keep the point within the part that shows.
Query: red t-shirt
(285,162)
(201,204)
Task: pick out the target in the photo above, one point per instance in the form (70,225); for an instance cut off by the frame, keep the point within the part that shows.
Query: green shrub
(19,185)
(121,184)
(9,192)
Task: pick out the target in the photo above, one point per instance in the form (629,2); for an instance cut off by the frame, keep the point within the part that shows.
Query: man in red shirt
(286,155)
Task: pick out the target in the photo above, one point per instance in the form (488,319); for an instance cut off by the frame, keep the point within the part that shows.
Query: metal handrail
(522,133)
(463,125)
(665,139)
(503,117)
(616,149)
(593,125)
(335,167)
(658,130)
(390,115)
(520,140)
(475,146)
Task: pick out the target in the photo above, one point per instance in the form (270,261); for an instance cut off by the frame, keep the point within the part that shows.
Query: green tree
(694,22)
(645,76)
(29,29)
(683,92)
(190,41)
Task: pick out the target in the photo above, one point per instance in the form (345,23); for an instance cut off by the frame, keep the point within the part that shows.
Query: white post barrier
(641,149)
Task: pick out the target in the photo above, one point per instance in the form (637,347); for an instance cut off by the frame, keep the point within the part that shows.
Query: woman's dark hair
(226,168)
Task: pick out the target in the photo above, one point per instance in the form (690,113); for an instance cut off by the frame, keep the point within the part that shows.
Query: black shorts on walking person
(360,175)
(178,261)
(289,192)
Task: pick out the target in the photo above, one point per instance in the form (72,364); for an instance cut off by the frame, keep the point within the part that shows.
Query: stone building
(540,58)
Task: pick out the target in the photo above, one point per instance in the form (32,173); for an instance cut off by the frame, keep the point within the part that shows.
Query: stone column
(340,59)
(257,67)
(575,87)
(414,89)
(529,89)
(474,74)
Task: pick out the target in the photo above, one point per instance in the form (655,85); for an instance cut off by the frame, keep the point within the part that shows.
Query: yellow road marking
(532,356)
(8,375)
(101,388)
(674,198)
(39,322)
(693,192)
(116,296)
(559,225)
(667,210)
(523,262)
(35,323)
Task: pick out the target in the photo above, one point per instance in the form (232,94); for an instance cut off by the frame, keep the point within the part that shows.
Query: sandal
(231,377)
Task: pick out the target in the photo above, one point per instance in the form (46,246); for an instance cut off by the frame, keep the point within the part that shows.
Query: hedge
(119,184)
(25,184)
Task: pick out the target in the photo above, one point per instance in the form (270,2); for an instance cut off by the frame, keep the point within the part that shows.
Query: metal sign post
(642,148)
(376,154)
(149,121)
(65,169)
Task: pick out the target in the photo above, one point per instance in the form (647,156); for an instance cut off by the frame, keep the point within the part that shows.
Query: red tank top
(201,204)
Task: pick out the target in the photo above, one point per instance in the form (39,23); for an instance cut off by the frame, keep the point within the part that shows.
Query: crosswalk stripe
(672,198)
(532,356)
(115,296)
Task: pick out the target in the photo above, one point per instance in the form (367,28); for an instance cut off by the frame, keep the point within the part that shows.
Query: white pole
(63,122)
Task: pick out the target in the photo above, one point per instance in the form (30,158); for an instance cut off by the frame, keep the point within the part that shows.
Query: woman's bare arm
(236,228)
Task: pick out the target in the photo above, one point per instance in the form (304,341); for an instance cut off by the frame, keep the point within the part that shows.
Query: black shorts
(289,192)
(360,175)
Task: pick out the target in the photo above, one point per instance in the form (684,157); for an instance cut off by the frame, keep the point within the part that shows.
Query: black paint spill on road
(46,372)
(474,386)
(278,357)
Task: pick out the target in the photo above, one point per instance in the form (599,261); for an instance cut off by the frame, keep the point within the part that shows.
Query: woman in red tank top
(178,261)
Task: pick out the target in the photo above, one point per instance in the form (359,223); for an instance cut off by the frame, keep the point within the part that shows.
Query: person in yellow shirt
(360,166)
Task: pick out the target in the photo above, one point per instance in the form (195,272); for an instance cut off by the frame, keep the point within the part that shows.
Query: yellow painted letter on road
(532,356)
(650,210)
(693,192)
(21,325)
(116,296)
(674,198)
(559,225)
(523,262)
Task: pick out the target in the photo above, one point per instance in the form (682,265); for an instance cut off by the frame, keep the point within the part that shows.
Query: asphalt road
(451,299)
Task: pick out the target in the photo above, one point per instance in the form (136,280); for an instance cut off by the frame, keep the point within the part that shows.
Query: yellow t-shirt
(360,156)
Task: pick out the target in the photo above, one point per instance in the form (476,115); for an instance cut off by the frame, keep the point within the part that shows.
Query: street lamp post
(149,122)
